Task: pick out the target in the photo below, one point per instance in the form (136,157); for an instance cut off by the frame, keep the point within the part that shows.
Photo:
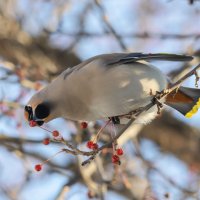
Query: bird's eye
(42,111)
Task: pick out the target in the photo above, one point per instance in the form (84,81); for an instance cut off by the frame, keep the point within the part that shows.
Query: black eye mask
(42,111)
(29,110)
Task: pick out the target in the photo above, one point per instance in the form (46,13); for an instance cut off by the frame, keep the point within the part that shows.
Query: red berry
(55,133)
(32,123)
(84,125)
(46,141)
(38,167)
(119,152)
(95,146)
(90,144)
(115,159)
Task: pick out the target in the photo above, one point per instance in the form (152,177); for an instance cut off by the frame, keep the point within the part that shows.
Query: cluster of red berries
(115,157)
(46,141)
(55,134)
(92,145)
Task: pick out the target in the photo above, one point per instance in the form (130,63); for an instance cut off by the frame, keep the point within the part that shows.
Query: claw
(115,120)
(196,79)
(158,103)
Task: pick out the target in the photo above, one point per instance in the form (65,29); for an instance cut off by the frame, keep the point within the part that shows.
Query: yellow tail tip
(188,115)
(193,110)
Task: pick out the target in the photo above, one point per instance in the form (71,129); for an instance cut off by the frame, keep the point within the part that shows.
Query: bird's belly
(113,92)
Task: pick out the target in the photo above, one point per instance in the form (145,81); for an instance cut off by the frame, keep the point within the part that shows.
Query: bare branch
(144,35)
(109,26)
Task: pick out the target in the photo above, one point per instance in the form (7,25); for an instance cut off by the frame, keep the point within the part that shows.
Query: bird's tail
(185,100)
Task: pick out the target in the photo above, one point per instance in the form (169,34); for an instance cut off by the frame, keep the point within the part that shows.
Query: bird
(110,86)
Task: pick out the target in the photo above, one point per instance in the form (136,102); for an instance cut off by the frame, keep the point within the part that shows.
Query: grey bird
(109,86)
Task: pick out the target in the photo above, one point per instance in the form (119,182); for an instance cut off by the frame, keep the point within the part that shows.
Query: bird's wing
(133,57)
(108,60)
(105,59)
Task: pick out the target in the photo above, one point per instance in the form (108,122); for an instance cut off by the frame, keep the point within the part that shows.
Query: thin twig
(151,166)
(109,26)
(142,35)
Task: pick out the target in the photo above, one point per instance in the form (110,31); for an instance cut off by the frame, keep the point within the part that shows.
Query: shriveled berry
(38,167)
(55,133)
(119,152)
(19,125)
(37,86)
(32,123)
(90,144)
(95,146)
(115,159)
(90,194)
(46,141)
(84,125)
(166,195)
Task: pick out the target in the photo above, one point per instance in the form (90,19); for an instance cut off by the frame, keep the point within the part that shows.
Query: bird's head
(39,110)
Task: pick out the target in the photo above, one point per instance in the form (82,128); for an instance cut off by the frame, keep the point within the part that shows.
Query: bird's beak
(26,115)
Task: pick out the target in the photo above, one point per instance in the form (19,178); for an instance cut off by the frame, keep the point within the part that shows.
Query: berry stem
(45,129)
(100,130)
(114,129)
(50,158)
(113,134)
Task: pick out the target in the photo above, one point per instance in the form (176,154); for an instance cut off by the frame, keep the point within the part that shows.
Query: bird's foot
(159,105)
(196,79)
(115,120)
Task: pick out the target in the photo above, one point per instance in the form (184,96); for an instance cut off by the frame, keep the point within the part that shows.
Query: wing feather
(133,57)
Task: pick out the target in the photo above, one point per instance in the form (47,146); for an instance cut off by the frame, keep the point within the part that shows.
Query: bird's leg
(113,133)
(159,106)
(157,102)
(115,120)
(101,129)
